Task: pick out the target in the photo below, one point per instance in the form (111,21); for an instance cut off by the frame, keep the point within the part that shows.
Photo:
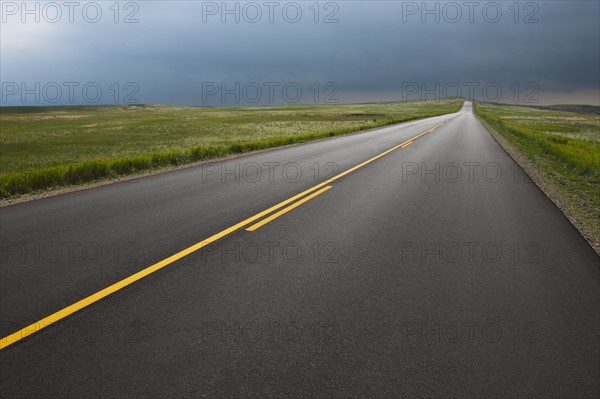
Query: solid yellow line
(407,144)
(286,210)
(69,310)
(61,314)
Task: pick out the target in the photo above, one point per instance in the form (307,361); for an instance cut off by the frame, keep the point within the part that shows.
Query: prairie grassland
(43,148)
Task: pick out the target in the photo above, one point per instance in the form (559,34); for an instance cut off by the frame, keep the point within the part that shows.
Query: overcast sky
(192,53)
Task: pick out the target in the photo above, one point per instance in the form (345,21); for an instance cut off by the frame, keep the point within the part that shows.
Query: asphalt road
(436,270)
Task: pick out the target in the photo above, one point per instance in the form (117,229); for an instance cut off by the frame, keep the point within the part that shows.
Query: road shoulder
(548,187)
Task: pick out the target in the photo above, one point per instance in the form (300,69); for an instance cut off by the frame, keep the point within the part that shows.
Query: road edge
(543,183)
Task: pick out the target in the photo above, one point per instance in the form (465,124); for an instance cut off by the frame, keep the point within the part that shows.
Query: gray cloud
(372,53)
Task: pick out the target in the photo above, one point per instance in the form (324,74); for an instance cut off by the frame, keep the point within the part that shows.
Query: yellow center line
(407,144)
(286,210)
(368,161)
(85,302)
(61,314)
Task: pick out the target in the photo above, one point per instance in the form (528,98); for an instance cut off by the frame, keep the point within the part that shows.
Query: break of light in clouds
(181,52)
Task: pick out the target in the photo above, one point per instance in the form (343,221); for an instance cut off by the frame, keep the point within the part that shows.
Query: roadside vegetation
(44,148)
(564,147)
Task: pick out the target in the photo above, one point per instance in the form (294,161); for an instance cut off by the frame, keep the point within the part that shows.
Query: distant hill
(577,108)
(580,109)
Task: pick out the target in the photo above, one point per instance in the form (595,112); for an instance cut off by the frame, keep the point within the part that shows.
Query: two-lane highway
(415,260)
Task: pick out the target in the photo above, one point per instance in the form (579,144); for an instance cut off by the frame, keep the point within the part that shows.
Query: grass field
(43,148)
(565,146)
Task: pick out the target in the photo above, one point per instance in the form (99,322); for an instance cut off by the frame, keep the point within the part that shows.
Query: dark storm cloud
(372,53)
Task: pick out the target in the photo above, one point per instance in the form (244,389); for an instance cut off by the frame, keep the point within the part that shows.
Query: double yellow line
(321,187)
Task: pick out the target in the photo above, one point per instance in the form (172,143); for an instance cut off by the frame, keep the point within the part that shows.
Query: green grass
(44,148)
(565,146)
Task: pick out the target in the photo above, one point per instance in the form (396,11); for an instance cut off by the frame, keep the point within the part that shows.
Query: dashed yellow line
(286,210)
(85,302)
